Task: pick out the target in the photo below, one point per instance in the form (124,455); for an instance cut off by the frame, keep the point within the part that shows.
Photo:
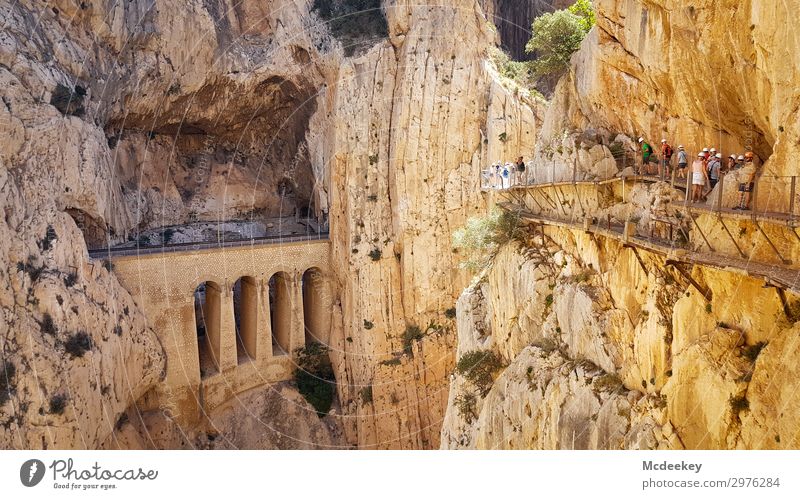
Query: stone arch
(207,310)
(280,308)
(245,311)
(316,306)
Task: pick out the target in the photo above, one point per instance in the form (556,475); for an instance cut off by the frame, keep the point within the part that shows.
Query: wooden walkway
(773,275)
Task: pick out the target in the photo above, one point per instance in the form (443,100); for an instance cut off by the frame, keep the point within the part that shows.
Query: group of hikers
(503,176)
(706,169)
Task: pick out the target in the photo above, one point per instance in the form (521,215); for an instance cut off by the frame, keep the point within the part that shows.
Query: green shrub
(314,377)
(394,361)
(467,405)
(46,243)
(366,394)
(481,237)
(58,403)
(479,367)
(556,36)
(78,344)
(410,335)
(48,326)
(450,313)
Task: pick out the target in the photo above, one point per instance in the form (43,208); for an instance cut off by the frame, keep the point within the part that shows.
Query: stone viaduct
(229,318)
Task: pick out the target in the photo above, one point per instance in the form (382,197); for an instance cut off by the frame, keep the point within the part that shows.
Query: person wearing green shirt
(647,151)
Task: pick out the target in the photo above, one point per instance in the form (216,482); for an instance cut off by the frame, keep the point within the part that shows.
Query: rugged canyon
(125,117)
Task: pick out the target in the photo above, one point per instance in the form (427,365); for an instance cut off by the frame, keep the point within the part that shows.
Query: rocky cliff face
(597,349)
(715,73)
(127,116)
(412,133)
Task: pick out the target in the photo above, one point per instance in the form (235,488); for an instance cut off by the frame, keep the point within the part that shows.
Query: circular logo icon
(31,472)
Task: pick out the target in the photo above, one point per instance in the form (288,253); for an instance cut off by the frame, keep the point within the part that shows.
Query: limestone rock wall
(700,74)
(582,327)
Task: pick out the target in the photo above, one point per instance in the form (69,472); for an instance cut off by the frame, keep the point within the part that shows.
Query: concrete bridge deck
(229,315)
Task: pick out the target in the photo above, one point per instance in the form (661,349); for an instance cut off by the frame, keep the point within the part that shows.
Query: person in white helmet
(714,169)
(683,162)
(739,162)
(699,177)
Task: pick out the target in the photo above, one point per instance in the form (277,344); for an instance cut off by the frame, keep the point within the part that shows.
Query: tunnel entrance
(245,310)
(94,230)
(280,307)
(207,303)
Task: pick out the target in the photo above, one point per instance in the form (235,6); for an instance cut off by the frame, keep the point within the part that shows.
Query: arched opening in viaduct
(280,307)
(245,310)
(207,308)
(314,306)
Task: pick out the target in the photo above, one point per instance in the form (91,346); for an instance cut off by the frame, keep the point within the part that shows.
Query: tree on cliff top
(557,35)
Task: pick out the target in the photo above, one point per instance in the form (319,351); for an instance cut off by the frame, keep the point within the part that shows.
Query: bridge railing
(196,246)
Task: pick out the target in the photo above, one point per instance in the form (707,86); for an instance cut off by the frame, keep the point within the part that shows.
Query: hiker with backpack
(520,165)
(683,162)
(666,158)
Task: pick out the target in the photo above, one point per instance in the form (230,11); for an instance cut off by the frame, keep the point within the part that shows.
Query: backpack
(668,151)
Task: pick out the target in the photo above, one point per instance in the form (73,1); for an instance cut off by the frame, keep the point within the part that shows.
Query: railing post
(688,186)
(574,170)
(553,174)
(720,185)
(753,196)
(792,191)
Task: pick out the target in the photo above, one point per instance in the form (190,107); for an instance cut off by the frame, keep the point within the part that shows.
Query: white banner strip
(371,474)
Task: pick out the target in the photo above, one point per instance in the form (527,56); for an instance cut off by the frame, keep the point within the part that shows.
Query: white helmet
(701,154)
(641,140)
(705,149)
(663,141)
(719,155)
(713,150)
(732,156)
(680,147)
(741,158)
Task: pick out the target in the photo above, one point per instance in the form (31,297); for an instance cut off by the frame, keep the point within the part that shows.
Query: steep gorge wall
(719,73)
(597,351)
(600,352)
(415,119)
